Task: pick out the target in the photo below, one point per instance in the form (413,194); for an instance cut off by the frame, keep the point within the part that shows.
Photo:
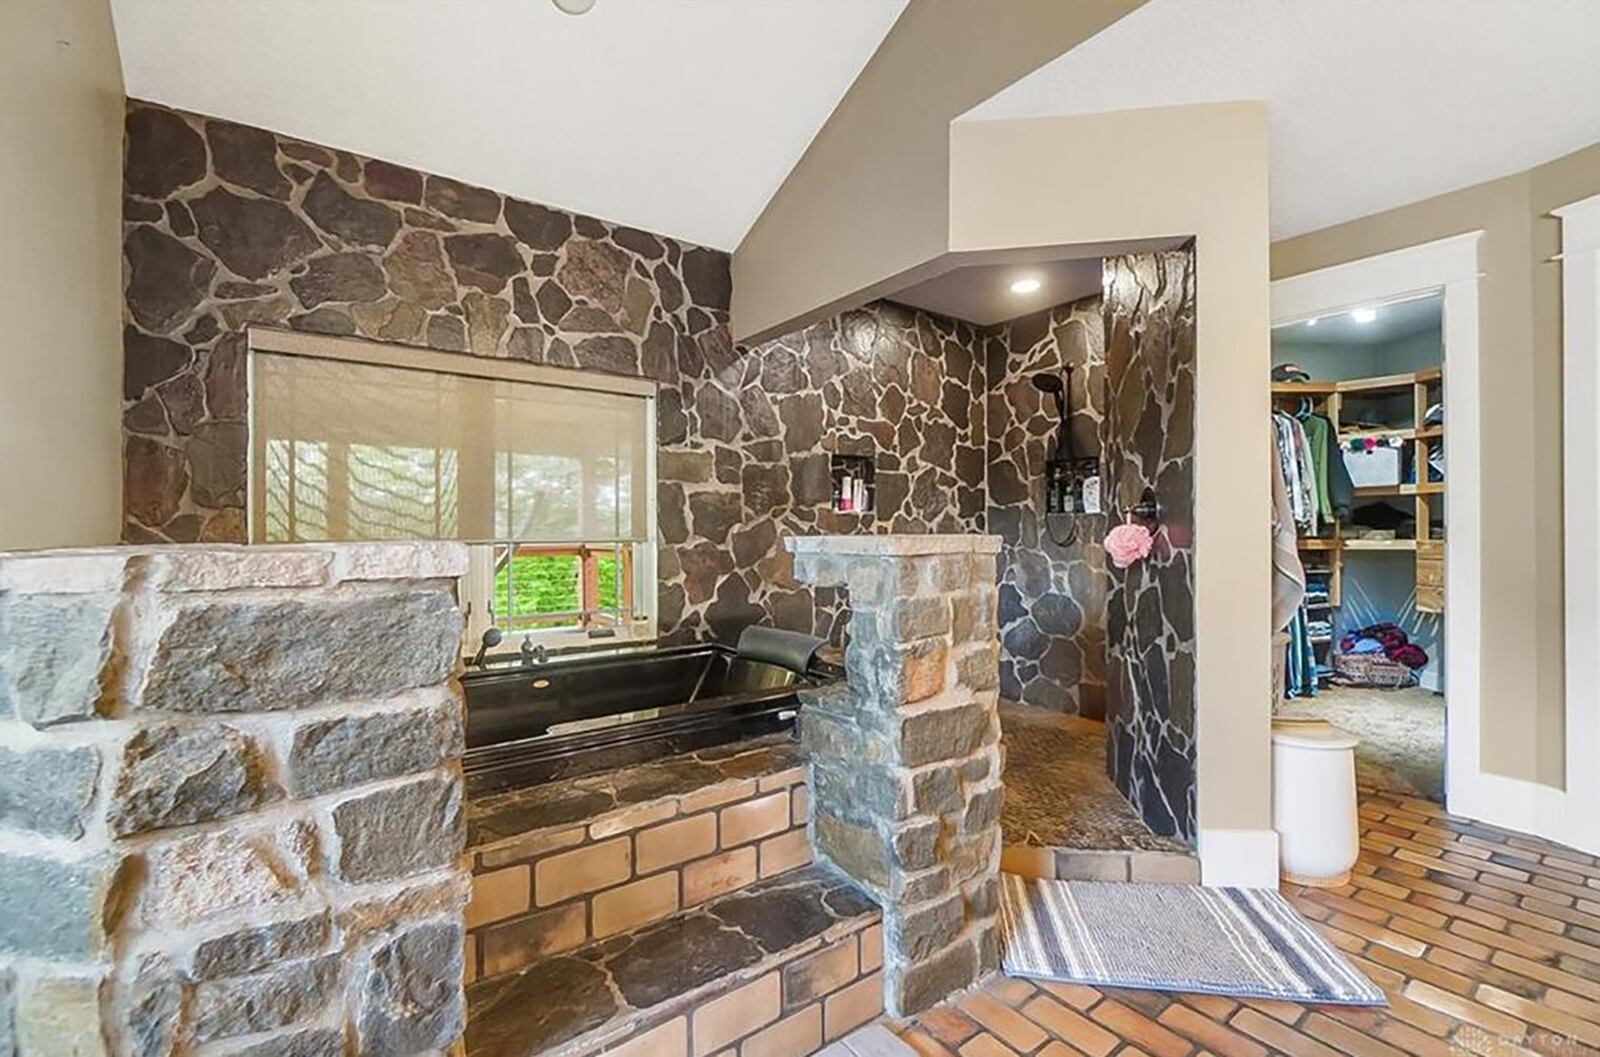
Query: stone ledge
(598,995)
(227,567)
(899,546)
(604,802)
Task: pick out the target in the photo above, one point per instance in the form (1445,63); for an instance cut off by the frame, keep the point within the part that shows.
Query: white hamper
(1314,801)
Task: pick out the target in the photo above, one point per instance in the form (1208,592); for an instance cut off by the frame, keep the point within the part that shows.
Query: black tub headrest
(788,649)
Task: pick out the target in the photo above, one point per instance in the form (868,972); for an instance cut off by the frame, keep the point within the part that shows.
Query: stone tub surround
(567,863)
(905,756)
(778,968)
(230,801)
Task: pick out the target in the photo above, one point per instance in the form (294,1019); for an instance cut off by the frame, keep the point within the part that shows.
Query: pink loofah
(1128,543)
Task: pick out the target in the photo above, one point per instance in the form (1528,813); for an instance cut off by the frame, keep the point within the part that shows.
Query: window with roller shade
(549,482)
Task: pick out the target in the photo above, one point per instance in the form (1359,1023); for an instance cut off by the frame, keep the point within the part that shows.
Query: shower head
(1047,383)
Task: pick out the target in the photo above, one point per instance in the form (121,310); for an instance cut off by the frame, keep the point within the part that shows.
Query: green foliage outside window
(542,584)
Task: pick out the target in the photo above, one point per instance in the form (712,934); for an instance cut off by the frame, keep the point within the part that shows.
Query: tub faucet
(532,655)
(491,637)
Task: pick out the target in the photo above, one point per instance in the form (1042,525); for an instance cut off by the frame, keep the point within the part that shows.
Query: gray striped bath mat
(1242,942)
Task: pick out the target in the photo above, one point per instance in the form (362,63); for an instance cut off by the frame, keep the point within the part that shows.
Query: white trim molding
(1578,820)
(1238,858)
(1448,266)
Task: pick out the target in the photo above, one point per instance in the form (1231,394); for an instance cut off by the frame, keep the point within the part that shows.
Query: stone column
(231,801)
(905,755)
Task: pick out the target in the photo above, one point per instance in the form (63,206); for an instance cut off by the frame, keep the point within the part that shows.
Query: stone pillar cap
(895,546)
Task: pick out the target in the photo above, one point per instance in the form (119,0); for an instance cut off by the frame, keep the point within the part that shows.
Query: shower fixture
(1072,484)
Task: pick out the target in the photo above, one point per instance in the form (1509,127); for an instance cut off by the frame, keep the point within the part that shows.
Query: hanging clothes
(1318,430)
(1294,454)
(1288,574)
(1300,668)
(1341,490)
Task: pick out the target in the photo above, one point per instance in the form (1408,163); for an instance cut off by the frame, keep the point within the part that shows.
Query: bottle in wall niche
(1091,494)
(846,493)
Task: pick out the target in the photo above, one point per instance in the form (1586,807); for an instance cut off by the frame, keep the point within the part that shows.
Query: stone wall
(1150,367)
(1052,598)
(230,801)
(901,385)
(227,227)
(905,758)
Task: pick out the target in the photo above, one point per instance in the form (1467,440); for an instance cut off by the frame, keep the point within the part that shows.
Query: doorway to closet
(1359,424)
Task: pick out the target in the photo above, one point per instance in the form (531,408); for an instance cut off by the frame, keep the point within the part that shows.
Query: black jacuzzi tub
(571,716)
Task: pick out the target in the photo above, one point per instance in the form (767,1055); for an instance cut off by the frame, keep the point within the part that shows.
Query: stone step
(786,965)
(565,863)
(1075,864)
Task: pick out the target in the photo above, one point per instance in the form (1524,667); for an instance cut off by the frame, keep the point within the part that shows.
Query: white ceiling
(678,116)
(976,285)
(982,294)
(1395,320)
(1374,103)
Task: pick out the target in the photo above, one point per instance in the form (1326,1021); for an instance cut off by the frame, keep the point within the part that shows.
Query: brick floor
(1486,942)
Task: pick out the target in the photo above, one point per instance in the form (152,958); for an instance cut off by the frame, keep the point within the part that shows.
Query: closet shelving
(1328,398)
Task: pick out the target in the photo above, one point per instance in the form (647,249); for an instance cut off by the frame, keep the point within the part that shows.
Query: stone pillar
(231,801)
(905,755)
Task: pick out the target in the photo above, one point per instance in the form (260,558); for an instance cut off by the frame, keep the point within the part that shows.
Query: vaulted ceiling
(1372,104)
(677,116)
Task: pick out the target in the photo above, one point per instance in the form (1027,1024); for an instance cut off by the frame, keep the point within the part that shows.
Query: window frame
(476,589)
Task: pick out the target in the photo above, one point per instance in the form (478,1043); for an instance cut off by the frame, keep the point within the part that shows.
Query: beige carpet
(1401,732)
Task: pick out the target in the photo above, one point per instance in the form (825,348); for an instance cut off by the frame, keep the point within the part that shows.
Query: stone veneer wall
(1052,598)
(227,227)
(905,757)
(1150,366)
(230,801)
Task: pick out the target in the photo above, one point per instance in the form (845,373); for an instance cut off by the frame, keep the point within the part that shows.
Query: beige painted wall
(1201,171)
(60,274)
(1520,375)
(869,199)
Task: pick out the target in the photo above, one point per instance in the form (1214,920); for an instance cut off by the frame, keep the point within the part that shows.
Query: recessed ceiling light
(1364,315)
(573,7)
(1026,286)
(1311,322)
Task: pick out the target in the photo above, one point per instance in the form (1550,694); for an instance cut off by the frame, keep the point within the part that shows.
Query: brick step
(1075,864)
(786,965)
(562,864)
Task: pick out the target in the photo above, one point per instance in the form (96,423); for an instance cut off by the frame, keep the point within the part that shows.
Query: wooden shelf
(1304,388)
(1430,488)
(1426,433)
(1328,398)
(1352,544)
(1388,381)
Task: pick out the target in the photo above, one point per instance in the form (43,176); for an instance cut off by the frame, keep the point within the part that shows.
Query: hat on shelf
(1289,372)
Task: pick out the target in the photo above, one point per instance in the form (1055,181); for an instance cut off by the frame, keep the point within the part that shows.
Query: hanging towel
(1288,574)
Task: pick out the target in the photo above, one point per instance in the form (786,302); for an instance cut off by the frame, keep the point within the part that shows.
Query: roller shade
(353,451)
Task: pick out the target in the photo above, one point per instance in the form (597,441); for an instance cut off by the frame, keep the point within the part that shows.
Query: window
(544,473)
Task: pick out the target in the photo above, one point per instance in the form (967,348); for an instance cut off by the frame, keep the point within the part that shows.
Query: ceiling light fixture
(573,7)
(1311,322)
(1026,286)
(1364,315)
